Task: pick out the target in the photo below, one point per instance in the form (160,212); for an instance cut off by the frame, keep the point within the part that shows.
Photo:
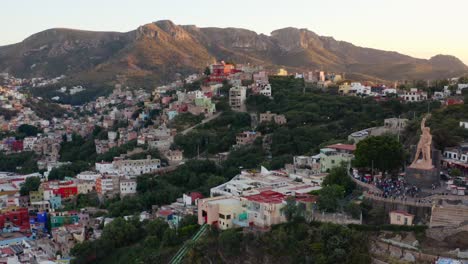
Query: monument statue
(424,149)
(424,171)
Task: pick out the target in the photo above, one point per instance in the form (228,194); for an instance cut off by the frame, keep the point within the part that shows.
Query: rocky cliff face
(162,48)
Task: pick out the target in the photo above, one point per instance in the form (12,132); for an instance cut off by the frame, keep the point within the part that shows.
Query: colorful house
(55,202)
(64,218)
(15,218)
(38,223)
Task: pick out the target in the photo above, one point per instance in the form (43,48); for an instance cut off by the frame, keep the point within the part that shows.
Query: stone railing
(336,218)
(366,186)
(425,202)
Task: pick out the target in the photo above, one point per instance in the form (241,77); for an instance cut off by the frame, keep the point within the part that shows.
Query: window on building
(398,218)
(222,216)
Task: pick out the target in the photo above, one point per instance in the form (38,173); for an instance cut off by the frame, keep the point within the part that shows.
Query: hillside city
(235,163)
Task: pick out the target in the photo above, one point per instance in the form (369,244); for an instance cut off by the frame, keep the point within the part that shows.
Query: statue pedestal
(422,178)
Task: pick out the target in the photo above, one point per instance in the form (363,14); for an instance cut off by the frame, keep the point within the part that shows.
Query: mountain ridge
(157,51)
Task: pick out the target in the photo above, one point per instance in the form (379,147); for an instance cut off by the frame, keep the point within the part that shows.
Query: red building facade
(17,218)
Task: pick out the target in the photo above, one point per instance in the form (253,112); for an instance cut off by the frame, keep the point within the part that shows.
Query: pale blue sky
(421,28)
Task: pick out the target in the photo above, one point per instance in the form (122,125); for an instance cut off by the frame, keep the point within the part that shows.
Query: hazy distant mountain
(158,50)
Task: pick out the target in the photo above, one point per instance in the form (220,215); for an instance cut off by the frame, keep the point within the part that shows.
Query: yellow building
(282,72)
(344,88)
(219,211)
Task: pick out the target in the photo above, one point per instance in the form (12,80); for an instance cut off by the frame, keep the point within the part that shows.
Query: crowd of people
(397,188)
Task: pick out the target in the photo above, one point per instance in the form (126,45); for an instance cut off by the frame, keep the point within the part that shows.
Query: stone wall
(446,215)
(422,213)
(441,233)
(340,219)
(383,251)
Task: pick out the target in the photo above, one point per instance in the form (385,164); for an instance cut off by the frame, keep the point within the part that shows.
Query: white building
(104,167)
(88,176)
(389,91)
(460,88)
(464,124)
(266,90)
(128,187)
(414,95)
(106,185)
(251,182)
(237,97)
(136,167)
(359,89)
(175,155)
(452,153)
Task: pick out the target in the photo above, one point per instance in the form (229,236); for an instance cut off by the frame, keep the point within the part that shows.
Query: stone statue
(424,149)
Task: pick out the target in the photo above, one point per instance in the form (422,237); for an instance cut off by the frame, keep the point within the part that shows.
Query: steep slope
(60,51)
(156,51)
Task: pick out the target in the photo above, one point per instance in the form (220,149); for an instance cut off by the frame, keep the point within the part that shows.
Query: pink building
(247,137)
(219,211)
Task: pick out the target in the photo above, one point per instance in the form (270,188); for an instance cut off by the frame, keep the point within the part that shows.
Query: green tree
(30,184)
(329,198)
(207,71)
(384,153)
(339,176)
(290,209)
(28,130)
(230,242)
(353,209)
(455,172)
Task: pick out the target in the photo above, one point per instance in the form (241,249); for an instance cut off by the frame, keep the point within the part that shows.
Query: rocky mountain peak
(162,29)
(291,39)
(445,61)
(161,48)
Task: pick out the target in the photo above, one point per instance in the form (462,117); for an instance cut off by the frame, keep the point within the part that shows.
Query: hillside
(155,52)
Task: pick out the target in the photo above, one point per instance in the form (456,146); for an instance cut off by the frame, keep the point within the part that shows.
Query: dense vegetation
(22,162)
(329,118)
(26,130)
(154,242)
(78,149)
(159,190)
(445,125)
(384,153)
(295,242)
(215,136)
(186,120)
(47,110)
(29,185)
(135,242)
(68,170)
(315,118)
(91,92)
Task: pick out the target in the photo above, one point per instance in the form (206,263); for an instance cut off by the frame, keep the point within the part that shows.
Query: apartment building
(237,97)
(128,187)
